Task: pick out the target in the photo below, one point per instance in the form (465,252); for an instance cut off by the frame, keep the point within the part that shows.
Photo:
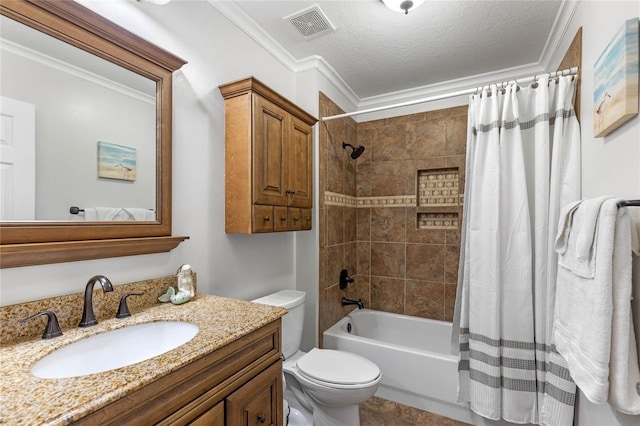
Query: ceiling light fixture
(402,5)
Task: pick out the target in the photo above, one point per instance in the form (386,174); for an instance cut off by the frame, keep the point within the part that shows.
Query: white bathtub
(414,357)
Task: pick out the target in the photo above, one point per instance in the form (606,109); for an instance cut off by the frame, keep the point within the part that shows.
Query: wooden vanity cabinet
(238,384)
(268,160)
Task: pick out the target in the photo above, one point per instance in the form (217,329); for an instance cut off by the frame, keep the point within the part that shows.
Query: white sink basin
(114,349)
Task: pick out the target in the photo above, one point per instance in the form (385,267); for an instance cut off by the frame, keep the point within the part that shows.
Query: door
(259,401)
(269,147)
(17,160)
(300,172)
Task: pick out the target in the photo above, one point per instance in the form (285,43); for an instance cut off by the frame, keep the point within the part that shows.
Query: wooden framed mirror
(33,242)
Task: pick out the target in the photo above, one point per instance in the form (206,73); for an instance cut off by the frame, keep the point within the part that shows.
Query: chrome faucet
(88,317)
(358,302)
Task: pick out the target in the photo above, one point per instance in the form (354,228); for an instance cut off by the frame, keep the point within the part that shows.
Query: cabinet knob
(267,218)
(283,218)
(262,417)
(308,218)
(295,219)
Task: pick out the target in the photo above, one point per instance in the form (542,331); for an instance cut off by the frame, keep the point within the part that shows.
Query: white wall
(238,266)
(610,165)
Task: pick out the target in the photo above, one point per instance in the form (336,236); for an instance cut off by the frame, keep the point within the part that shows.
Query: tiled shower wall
(338,244)
(391,217)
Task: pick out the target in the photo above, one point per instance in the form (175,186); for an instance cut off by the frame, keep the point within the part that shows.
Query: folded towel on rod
(577,236)
(140,214)
(592,326)
(118,214)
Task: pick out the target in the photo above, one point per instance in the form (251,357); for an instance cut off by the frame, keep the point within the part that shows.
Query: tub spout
(346,302)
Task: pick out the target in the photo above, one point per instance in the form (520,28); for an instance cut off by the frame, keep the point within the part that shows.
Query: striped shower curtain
(523,165)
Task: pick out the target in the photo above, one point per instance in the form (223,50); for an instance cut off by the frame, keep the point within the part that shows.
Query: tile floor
(381,412)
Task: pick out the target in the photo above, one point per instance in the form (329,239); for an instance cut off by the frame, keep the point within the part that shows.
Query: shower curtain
(523,165)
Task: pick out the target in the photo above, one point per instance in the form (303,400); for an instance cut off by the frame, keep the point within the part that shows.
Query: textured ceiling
(378,52)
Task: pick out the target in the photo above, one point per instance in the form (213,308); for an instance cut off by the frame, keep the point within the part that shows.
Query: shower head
(356,151)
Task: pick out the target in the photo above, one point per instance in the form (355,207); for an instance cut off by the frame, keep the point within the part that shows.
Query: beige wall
(397,265)
(412,268)
(337,224)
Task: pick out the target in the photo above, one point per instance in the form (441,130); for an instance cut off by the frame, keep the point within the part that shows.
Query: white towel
(577,235)
(624,376)
(564,226)
(140,214)
(592,326)
(94,214)
(118,214)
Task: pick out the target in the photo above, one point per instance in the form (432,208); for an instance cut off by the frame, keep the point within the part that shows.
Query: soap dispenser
(185,280)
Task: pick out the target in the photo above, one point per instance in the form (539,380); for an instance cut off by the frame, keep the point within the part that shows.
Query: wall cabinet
(268,160)
(238,384)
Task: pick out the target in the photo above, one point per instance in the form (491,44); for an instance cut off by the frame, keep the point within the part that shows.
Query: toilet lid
(333,366)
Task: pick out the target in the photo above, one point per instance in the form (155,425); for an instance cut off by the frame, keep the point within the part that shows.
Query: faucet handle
(344,279)
(123,309)
(53,328)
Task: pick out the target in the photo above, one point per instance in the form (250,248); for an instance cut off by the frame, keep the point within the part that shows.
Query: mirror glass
(75,131)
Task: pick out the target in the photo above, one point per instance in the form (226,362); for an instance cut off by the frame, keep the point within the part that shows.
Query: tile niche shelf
(439,199)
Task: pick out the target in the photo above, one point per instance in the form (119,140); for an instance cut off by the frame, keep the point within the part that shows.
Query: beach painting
(615,95)
(116,161)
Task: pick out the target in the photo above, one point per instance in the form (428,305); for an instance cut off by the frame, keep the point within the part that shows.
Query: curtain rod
(570,71)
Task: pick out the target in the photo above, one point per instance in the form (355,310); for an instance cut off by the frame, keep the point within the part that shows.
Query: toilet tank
(293,321)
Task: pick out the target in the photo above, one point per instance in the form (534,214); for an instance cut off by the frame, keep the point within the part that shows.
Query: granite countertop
(28,400)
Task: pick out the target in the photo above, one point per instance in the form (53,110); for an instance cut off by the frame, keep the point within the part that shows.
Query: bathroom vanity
(230,373)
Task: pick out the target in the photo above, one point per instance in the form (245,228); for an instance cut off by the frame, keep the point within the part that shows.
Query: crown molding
(247,25)
(507,74)
(251,28)
(35,56)
(558,32)
(323,67)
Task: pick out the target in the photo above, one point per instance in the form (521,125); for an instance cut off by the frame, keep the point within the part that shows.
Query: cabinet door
(300,171)
(259,401)
(270,139)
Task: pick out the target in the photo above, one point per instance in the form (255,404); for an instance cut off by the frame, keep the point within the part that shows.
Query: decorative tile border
(390,201)
(437,221)
(334,199)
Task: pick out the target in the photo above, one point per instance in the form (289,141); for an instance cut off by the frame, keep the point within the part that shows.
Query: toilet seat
(338,369)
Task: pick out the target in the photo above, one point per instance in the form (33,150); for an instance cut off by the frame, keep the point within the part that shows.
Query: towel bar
(629,203)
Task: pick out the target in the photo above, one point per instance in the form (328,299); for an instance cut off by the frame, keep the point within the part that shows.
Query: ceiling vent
(311,22)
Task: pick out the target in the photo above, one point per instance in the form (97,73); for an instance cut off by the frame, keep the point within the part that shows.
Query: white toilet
(326,384)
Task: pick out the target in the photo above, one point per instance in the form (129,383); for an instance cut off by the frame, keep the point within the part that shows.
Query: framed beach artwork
(116,161)
(615,94)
